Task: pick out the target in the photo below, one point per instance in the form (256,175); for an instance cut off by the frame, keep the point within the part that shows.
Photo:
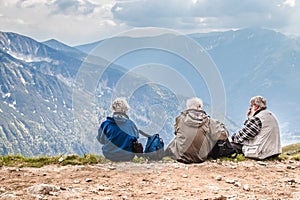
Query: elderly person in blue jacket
(118,133)
(260,136)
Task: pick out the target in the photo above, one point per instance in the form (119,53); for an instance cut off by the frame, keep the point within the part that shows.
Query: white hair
(120,105)
(260,101)
(194,103)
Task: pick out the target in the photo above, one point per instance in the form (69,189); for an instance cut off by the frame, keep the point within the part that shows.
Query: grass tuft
(20,161)
(291,152)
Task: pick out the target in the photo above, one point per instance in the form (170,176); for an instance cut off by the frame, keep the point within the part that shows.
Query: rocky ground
(155,180)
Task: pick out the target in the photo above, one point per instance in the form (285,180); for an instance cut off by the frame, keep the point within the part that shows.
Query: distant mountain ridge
(37,81)
(252,61)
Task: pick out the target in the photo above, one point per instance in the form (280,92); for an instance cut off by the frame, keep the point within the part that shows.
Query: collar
(259,111)
(120,114)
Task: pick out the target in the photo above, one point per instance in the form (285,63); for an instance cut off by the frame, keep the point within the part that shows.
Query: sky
(76,22)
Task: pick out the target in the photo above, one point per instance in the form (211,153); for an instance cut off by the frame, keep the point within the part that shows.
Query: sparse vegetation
(21,161)
(288,152)
(291,151)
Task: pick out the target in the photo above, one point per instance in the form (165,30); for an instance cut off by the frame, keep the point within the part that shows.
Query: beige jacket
(195,136)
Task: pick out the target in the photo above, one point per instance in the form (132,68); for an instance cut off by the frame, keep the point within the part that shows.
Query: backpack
(137,147)
(154,149)
(223,148)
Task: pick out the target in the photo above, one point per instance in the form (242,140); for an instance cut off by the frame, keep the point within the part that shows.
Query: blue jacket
(117,134)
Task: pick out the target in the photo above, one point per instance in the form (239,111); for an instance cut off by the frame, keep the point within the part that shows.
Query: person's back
(117,133)
(195,134)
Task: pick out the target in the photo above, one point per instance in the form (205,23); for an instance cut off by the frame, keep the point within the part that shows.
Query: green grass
(291,152)
(21,161)
(291,149)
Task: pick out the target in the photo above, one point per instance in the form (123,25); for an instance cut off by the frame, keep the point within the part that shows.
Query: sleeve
(176,127)
(136,131)
(218,130)
(101,137)
(251,128)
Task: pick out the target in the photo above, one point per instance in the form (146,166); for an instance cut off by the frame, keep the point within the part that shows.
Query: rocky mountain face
(52,98)
(48,106)
(36,100)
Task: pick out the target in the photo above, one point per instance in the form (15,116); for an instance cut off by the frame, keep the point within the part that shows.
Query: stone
(237,184)
(262,163)
(43,189)
(88,180)
(230,181)
(185,176)
(218,178)
(246,187)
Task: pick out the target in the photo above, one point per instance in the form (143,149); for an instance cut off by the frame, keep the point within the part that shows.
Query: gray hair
(120,105)
(194,103)
(260,101)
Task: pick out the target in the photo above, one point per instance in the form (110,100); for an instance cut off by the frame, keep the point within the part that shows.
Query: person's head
(194,103)
(257,103)
(120,105)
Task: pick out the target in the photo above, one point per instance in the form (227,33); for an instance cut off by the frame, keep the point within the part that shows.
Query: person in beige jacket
(260,136)
(195,134)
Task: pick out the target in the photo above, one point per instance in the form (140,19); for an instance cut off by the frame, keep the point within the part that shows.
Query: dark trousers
(238,147)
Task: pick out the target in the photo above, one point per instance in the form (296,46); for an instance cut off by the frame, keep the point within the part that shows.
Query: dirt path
(155,180)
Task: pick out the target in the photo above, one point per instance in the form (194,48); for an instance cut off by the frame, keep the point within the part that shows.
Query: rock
(185,176)
(102,188)
(246,187)
(237,184)
(8,196)
(291,181)
(230,181)
(218,178)
(111,167)
(290,167)
(63,188)
(76,181)
(262,163)
(43,189)
(88,180)
(2,189)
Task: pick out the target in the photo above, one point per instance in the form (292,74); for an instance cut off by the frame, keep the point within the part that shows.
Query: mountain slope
(259,62)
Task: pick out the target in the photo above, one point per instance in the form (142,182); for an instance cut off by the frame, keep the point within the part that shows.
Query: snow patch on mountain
(30,58)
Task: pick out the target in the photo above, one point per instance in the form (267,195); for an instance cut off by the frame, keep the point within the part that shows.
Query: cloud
(70,21)
(72,7)
(209,14)
(81,21)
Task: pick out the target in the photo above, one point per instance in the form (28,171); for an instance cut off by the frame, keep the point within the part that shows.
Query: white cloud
(290,3)
(208,14)
(71,21)
(81,21)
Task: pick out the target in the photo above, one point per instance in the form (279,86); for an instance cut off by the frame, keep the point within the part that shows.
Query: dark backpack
(154,149)
(222,148)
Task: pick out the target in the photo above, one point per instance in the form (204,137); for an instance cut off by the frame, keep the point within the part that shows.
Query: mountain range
(53,96)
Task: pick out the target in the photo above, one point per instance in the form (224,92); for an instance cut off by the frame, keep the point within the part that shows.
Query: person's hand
(249,112)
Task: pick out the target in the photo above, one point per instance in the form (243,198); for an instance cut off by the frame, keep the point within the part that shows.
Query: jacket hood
(194,118)
(120,117)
